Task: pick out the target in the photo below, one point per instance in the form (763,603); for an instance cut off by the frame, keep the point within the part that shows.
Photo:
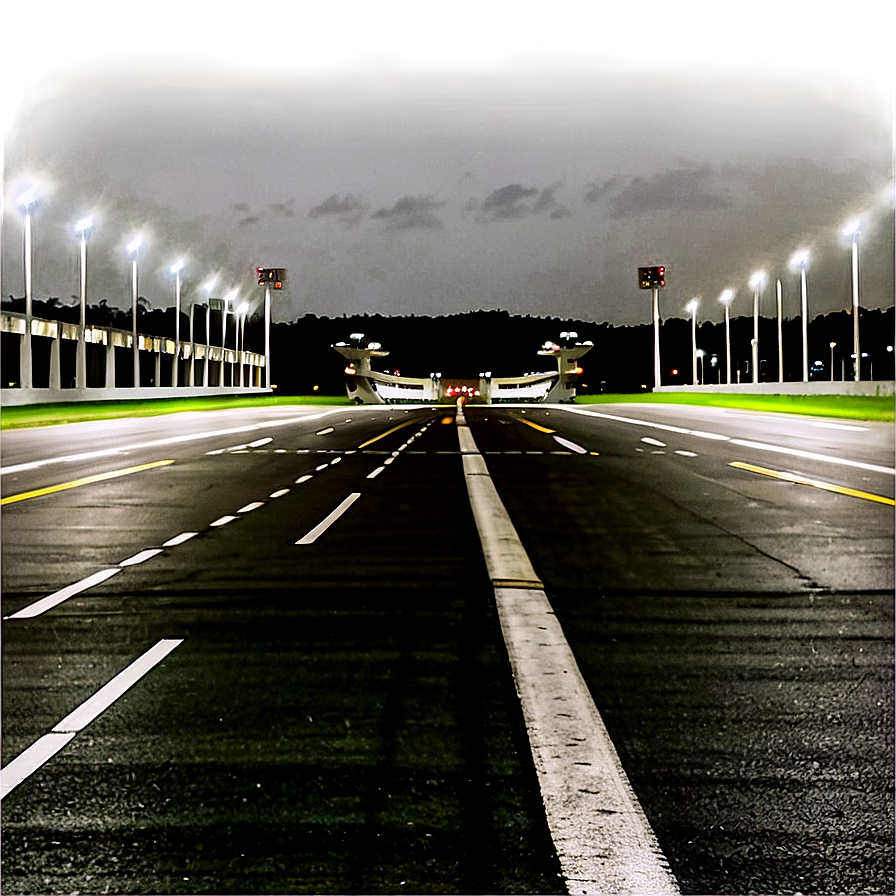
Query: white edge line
(179,539)
(52,600)
(112,690)
(31,759)
(141,557)
(328,521)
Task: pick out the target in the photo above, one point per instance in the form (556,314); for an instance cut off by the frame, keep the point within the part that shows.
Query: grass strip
(845,407)
(80,411)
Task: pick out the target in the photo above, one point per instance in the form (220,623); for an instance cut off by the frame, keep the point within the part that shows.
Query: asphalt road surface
(259,652)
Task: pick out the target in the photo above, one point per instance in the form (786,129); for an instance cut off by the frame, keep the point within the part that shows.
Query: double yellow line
(815,483)
(87,480)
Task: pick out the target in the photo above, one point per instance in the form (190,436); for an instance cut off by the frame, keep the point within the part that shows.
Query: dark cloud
(690,189)
(547,204)
(240,207)
(249,219)
(284,209)
(507,202)
(411,213)
(349,209)
(596,192)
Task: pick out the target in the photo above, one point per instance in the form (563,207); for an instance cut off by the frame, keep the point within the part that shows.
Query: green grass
(849,407)
(79,411)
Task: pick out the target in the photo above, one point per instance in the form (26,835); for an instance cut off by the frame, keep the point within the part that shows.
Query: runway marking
(250,507)
(578,449)
(602,837)
(179,539)
(142,557)
(328,521)
(815,483)
(388,432)
(42,750)
(537,426)
(57,597)
(87,480)
(744,443)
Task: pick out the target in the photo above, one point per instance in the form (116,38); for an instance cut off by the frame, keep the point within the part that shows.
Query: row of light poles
(27,201)
(757,281)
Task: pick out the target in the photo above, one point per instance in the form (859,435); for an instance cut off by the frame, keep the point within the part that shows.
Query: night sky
(512,156)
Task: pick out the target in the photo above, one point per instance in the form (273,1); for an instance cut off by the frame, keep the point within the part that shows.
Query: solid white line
(567,444)
(173,440)
(811,455)
(602,837)
(331,518)
(52,600)
(250,507)
(223,521)
(29,761)
(846,426)
(112,690)
(142,557)
(744,443)
(179,539)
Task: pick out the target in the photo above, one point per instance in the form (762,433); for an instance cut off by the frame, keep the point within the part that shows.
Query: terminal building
(557,386)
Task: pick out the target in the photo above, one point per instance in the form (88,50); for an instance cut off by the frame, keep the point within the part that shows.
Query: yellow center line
(387,433)
(815,483)
(537,426)
(87,480)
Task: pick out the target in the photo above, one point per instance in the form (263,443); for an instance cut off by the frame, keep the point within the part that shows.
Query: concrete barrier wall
(18,397)
(873,387)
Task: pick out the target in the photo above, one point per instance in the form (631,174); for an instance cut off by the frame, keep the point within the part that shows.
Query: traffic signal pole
(656,338)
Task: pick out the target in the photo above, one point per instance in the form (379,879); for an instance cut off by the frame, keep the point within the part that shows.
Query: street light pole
(833,346)
(852,229)
(175,370)
(780,303)
(656,338)
(801,258)
(725,299)
(26,372)
(267,337)
(756,282)
(82,227)
(692,307)
(209,286)
(134,249)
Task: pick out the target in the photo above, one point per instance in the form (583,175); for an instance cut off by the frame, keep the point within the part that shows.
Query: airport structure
(367,386)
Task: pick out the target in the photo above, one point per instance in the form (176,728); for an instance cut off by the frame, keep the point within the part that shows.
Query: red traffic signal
(651,277)
(271,277)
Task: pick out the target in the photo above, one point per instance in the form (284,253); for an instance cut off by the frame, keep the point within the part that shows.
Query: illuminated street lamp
(83,228)
(27,200)
(852,229)
(833,345)
(133,251)
(241,337)
(756,282)
(801,258)
(725,298)
(230,297)
(780,303)
(692,308)
(176,268)
(208,287)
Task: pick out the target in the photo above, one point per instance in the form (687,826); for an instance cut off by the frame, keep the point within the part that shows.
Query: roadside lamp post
(26,373)
(692,308)
(852,230)
(802,259)
(83,228)
(229,298)
(725,298)
(241,337)
(833,345)
(756,282)
(134,250)
(208,287)
(176,268)
(701,357)
(780,303)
